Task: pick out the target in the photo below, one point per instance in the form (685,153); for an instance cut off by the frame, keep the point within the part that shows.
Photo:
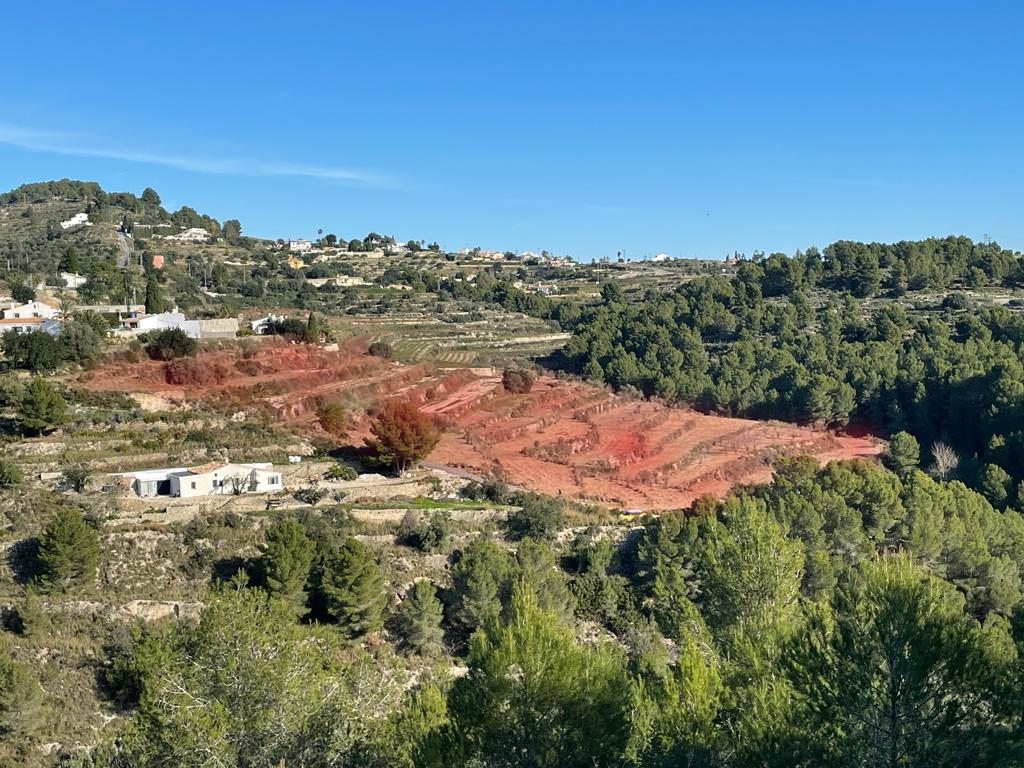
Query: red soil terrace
(563,437)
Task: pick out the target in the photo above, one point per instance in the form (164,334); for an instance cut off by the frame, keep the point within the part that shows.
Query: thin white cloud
(58,143)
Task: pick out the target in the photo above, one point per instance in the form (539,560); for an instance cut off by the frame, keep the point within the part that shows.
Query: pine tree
(32,620)
(904,453)
(41,407)
(402,433)
(419,619)
(896,674)
(535,698)
(20,693)
(535,562)
(287,557)
(353,589)
(68,550)
(480,585)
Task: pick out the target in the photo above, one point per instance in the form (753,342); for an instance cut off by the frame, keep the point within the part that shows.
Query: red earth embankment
(563,437)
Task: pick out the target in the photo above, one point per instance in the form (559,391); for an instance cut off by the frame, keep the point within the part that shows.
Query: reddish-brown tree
(402,433)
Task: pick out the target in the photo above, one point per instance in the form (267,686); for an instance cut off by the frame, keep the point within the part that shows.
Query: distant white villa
(71,280)
(191,235)
(76,221)
(212,479)
(215,328)
(299,246)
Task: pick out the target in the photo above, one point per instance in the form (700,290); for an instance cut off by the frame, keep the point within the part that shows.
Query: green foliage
(535,568)
(248,686)
(426,533)
(904,453)
(402,433)
(333,418)
(232,231)
(381,348)
(897,675)
(418,619)
(721,345)
(749,572)
(9,473)
(150,196)
(36,351)
(22,293)
(75,477)
(341,472)
(535,698)
(155,303)
(171,344)
(68,550)
(287,556)
(353,589)
(537,517)
(83,338)
(41,407)
(32,621)
(481,577)
(20,693)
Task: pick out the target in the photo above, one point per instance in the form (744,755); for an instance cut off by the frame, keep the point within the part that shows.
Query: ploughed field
(562,438)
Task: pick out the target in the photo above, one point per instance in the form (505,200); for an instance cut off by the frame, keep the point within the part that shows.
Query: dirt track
(562,438)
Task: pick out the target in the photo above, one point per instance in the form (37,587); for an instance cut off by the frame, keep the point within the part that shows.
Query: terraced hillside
(563,437)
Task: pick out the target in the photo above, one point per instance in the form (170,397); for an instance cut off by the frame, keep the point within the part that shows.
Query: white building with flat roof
(213,479)
(191,235)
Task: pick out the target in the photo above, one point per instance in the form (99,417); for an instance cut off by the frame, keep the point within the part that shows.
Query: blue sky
(583,128)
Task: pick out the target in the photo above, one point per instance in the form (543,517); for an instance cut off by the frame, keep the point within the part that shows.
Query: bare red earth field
(563,437)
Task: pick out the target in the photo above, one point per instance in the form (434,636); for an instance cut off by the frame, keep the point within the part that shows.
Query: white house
(71,280)
(215,478)
(152,482)
(31,309)
(76,221)
(191,235)
(216,328)
(51,326)
(661,257)
(260,324)
(299,246)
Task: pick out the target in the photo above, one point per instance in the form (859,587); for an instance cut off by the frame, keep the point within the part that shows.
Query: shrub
(492,489)
(955,300)
(9,474)
(427,534)
(171,344)
(75,478)
(22,293)
(333,418)
(538,517)
(381,348)
(517,380)
(341,472)
(310,496)
(189,371)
